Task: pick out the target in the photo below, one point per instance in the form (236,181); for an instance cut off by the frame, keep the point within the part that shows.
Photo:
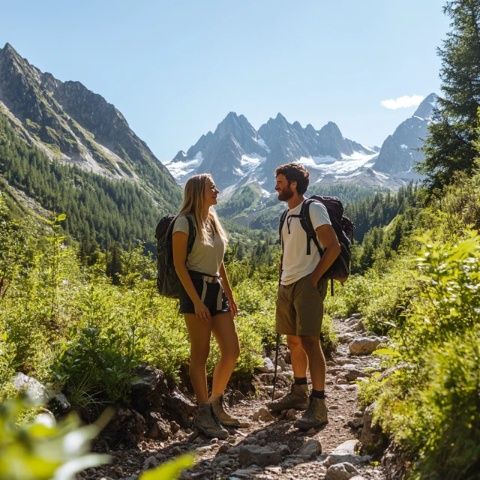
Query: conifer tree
(450,146)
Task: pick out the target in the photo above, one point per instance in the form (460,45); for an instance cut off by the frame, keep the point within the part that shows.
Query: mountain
(401,151)
(73,125)
(237,154)
(68,150)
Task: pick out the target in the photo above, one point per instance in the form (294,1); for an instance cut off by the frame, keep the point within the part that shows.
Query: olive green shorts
(300,307)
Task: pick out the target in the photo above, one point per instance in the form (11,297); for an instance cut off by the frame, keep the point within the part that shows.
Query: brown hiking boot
(222,416)
(206,423)
(297,398)
(315,416)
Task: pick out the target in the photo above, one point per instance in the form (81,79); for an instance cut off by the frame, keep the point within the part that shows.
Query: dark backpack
(340,269)
(168,283)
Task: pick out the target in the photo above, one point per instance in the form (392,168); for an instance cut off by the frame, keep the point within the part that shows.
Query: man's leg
(298,356)
(298,396)
(316,360)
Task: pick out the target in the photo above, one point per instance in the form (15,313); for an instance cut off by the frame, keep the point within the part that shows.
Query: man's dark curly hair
(295,172)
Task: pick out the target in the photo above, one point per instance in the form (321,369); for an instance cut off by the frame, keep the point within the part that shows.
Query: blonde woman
(206,301)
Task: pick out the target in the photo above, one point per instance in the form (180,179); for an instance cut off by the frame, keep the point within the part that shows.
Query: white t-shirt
(296,263)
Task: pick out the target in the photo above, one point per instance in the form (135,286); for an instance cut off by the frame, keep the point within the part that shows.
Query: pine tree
(450,146)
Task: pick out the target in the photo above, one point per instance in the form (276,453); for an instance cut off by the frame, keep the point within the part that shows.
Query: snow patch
(181,169)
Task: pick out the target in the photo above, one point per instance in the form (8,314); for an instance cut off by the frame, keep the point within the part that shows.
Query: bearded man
(301,294)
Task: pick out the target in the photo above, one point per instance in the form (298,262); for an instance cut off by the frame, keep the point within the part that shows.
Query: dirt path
(272,441)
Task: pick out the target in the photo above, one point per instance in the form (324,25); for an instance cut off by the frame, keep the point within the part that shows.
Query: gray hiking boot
(222,416)
(315,416)
(297,398)
(207,424)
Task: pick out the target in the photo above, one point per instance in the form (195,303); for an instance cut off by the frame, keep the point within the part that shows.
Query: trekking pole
(276,365)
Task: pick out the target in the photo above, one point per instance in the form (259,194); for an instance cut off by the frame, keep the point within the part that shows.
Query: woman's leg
(200,333)
(223,327)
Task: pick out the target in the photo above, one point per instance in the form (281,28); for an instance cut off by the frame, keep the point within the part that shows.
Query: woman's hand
(201,311)
(231,302)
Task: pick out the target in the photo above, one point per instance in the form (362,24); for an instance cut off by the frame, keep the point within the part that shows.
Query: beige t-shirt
(204,258)
(296,263)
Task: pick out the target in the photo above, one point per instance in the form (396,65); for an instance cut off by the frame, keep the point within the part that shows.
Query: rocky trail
(270,447)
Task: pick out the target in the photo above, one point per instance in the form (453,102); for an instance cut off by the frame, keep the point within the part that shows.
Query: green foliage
(429,400)
(43,449)
(451,145)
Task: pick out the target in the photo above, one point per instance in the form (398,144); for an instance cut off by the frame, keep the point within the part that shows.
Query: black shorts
(213,297)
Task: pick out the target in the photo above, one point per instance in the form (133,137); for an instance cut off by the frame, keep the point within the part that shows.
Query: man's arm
(328,238)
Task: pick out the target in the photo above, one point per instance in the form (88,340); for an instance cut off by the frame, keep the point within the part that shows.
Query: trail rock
(258,455)
(180,406)
(157,427)
(364,345)
(346,448)
(59,405)
(267,367)
(127,427)
(244,473)
(371,437)
(149,389)
(310,450)
(37,391)
(355,423)
(263,415)
(150,462)
(353,373)
(341,471)
(345,337)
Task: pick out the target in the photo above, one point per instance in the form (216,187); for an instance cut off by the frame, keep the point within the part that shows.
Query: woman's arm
(227,289)
(179,246)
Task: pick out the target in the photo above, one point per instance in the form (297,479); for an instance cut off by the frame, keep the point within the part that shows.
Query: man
(301,294)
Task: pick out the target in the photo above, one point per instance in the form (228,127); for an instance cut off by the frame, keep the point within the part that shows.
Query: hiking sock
(300,380)
(318,394)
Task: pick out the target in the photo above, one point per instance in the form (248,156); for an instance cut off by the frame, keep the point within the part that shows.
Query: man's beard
(285,195)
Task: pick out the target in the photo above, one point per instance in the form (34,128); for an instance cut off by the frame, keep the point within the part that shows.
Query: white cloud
(402,102)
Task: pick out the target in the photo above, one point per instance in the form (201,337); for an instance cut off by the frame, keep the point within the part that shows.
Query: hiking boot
(315,416)
(222,416)
(206,423)
(297,398)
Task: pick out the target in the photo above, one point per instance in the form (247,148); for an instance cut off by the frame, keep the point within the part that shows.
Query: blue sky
(176,68)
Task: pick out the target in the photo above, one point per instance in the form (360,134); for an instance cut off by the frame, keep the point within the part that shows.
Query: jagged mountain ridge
(236,154)
(73,125)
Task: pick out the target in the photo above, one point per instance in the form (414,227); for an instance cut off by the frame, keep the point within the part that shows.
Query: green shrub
(429,399)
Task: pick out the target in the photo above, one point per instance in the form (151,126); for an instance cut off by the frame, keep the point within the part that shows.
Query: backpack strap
(192,233)
(306,222)
(280,227)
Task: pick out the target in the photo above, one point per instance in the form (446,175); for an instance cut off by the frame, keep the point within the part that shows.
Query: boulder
(127,427)
(267,367)
(263,415)
(310,450)
(157,427)
(258,455)
(182,408)
(149,389)
(35,390)
(341,471)
(364,345)
(372,440)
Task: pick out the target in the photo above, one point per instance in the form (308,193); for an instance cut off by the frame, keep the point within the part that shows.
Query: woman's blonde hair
(193,204)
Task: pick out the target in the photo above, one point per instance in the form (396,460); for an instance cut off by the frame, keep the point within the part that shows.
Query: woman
(206,302)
